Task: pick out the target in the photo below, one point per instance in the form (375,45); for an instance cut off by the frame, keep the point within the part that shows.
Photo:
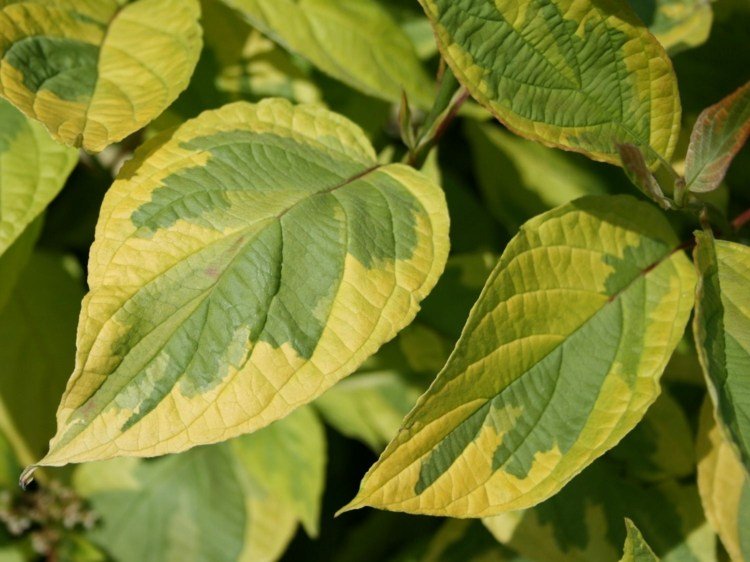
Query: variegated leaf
(33,170)
(355,41)
(243,264)
(584,522)
(636,549)
(560,358)
(724,488)
(722,333)
(95,71)
(719,134)
(579,75)
(677,24)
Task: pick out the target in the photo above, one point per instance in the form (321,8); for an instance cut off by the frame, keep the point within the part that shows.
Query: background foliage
(125,81)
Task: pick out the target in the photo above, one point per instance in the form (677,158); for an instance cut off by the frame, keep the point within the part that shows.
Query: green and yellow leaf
(95,71)
(724,488)
(354,41)
(33,170)
(584,522)
(636,548)
(718,135)
(369,406)
(559,360)
(661,446)
(677,24)
(243,264)
(722,333)
(209,503)
(578,75)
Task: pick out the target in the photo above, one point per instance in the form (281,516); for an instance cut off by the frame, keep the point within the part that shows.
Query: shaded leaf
(355,41)
(37,328)
(520,178)
(722,333)
(584,522)
(206,504)
(636,549)
(718,135)
(14,260)
(33,169)
(639,174)
(724,488)
(258,252)
(677,24)
(560,359)
(369,406)
(466,541)
(95,71)
(582,76)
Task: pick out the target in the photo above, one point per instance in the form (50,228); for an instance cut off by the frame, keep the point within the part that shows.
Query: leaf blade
(495,406)
(563,57)
(272,226)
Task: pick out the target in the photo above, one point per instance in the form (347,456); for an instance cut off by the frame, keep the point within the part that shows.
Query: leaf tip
(27,477)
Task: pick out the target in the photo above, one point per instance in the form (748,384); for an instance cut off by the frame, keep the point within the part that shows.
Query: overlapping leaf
(724,488)
(520,178)
(37,328)
(677,24)
(33,170)
(722,333)
(719,134)
(95,71)
(636,549)
(583,76)
(242,266)
(560,358)
(211,503)
(584,522)
(355,41)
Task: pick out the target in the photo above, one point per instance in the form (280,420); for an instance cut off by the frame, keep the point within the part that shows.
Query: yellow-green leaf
(722,333)
(520,178)
(584,522)
(95,71)
(243,264)
(636,549)
(718,135)
(677,24)
(579,75)
(369,406)
(724,488)
(33,170)
(466,541)
(211,503)
(560,359)
(355,41)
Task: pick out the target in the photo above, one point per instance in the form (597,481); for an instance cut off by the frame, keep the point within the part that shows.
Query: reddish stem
(741,220)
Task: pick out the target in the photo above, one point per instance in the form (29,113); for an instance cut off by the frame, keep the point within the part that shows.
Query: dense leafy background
(679,477)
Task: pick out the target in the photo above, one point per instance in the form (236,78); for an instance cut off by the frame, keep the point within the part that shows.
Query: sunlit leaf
(206,504)
(719,134)
(722,333)
(724,488)
(560,359)
(33,169)
(95,71)
(355,41)
(243,265)
(582,75)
